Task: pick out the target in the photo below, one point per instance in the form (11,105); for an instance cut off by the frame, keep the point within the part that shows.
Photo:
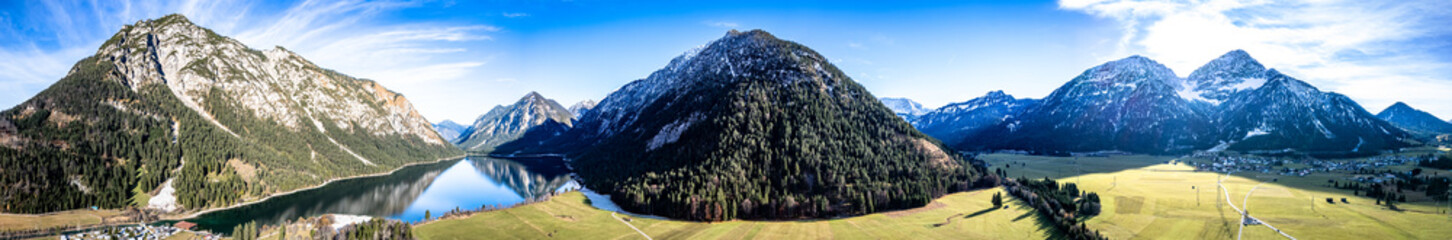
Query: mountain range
(1138,105)
(170,115)
(953,122)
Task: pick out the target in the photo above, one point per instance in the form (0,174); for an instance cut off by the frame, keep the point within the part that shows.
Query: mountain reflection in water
(407,194)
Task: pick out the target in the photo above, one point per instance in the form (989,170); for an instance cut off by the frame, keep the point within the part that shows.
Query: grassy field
(962,215)
(1148,198)
(12,222)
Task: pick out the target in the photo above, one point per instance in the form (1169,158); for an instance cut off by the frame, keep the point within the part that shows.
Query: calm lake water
(405,195)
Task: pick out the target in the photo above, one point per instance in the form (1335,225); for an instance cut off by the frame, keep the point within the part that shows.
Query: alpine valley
(172,131)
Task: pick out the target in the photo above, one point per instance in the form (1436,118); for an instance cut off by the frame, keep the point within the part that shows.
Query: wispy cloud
(514,14)
(415,58)
(721,24)
(1376,52)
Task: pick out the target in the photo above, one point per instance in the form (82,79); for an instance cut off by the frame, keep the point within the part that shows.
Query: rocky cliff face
(277,85)
(169,105)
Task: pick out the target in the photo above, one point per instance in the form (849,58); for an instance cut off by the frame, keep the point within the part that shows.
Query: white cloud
(1376,52)
(514,15)
(721,24)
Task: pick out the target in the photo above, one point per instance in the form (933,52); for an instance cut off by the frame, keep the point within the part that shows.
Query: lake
(467,183)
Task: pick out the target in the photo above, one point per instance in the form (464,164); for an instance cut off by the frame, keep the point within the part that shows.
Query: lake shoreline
(325,183)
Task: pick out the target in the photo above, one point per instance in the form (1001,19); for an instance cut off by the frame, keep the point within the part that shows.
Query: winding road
(1245,205)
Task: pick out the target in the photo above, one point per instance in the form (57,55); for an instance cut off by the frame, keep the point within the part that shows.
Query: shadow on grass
(949,220)
(1041,221)
(1064,167)
(981,212)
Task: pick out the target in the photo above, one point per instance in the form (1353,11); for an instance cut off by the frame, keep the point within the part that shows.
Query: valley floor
(1144,197)
(1152,198)
(956,216)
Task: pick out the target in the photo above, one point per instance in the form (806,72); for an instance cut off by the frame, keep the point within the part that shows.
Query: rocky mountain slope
(751,126)
(505,124)
(1414,121)
(1130,104)
(1290,115)
(1230,103)
(956,121)
(905,108)
(166,106)
(450,130)
(1222,78)
(579,109)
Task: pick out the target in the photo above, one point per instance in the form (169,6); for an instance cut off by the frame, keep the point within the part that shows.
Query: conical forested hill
(751,126)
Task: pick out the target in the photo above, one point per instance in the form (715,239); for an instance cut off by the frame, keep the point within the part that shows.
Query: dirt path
(617,218)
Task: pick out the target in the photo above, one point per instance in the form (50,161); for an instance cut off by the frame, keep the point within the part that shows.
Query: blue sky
(455,60)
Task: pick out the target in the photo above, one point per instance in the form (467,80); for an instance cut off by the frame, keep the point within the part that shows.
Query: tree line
(1064,205)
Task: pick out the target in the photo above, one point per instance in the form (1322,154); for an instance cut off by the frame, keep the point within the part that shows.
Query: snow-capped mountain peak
(1217,80)
(903,107)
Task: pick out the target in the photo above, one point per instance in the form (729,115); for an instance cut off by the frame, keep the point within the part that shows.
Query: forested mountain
(905,108)
(956,121)
(751,126)
(1130,104)
(504,124)
(450,130)
(1415,121)
(166,106)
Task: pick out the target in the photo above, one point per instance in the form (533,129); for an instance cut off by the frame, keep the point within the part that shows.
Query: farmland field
(1155,199)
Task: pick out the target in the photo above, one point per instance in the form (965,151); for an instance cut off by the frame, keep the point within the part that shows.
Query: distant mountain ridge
(1231,103)
(905,108)
(1130,104)
(505,124)
(581,107)
(1414,120)
(165,106)
(955,121)
(449,130)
